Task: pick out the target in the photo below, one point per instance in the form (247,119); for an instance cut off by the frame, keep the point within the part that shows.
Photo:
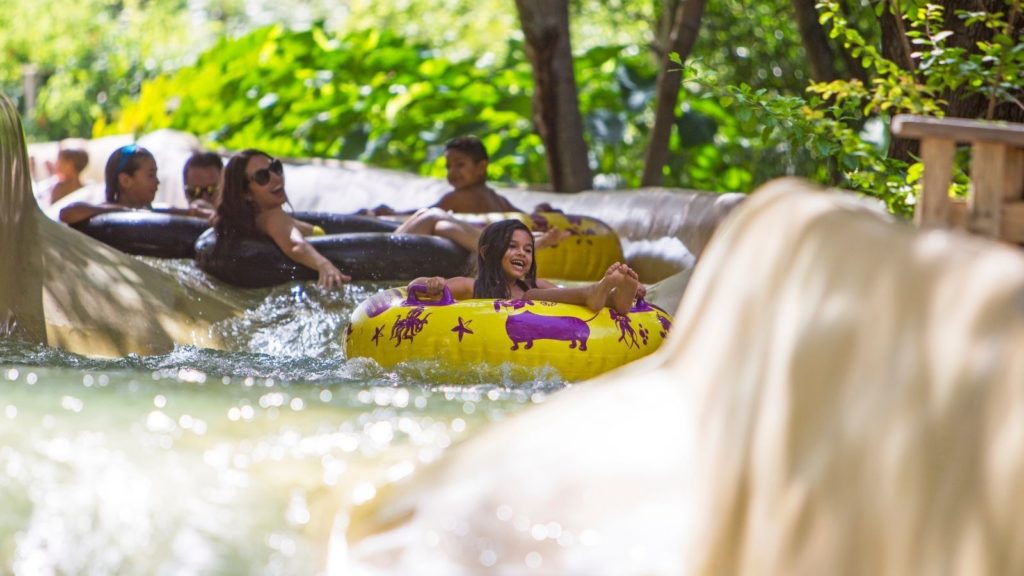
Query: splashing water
(205,461)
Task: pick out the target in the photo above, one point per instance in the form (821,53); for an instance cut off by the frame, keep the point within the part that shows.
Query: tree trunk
(683,34)
(896,47)
(556,112)
(853,66)
(895,44)
(819,52)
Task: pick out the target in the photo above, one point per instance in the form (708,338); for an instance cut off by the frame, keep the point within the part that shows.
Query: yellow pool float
(391,328)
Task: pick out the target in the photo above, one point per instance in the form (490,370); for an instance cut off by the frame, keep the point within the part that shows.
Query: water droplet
(488,558)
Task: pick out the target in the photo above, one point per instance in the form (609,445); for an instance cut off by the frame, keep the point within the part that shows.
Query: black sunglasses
(262,176)
(200,192)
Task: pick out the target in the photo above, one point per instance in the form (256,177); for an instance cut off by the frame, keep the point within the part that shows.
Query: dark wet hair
(236,214)
(470,146)
(202,160)
(127,160)
(490,278)
(78,157)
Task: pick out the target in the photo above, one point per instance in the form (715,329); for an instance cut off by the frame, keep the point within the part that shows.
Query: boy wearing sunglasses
(201,175)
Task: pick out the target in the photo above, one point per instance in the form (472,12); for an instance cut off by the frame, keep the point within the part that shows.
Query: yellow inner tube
(575,341)
(590,248)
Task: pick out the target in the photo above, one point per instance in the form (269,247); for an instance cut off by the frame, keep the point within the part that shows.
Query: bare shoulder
(503,203)
(275,223)
(542,283)
(447,202)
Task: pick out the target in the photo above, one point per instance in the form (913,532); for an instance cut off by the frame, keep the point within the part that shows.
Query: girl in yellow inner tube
(507,270)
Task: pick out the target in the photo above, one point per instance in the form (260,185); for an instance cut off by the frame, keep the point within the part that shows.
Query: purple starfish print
(463,328)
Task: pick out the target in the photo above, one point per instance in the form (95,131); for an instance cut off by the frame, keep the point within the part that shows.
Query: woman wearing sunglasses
(252,201)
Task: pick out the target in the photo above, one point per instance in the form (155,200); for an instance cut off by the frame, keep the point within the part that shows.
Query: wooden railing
(995,205)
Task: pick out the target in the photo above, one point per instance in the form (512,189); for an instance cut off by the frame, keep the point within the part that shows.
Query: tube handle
(413,299)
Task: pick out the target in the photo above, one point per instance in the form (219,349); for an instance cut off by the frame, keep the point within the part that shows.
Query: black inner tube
(259,263)
(165,235)
(146,233)
(345,223)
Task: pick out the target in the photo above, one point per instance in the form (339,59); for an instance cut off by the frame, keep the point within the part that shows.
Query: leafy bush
(375,97)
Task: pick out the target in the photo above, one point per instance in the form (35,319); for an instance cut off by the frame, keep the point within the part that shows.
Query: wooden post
(985,204)
(934,205)
(1012,228)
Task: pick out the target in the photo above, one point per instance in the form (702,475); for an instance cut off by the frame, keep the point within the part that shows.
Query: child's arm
(434,285)
(460,287)
(81,211)
(382,210)
(193,211)
(282,230)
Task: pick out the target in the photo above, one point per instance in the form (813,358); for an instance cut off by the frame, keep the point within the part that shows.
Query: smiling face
(518,255)
(138,188)
(463,171)
(265,196)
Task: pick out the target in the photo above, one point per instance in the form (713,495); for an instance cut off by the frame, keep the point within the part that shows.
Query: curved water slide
(64,289)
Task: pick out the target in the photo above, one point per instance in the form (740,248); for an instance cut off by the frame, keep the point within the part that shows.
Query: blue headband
(126,153)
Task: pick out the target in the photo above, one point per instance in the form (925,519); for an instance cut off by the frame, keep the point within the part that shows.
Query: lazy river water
(209,462)
(244,459)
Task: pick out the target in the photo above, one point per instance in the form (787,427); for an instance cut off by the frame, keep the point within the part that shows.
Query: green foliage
(368,96)
(90,54)
(388,82)
(994,70)
(760,134)
(748,42)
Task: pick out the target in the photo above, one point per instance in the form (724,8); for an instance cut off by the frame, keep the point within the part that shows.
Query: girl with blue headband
(131,184)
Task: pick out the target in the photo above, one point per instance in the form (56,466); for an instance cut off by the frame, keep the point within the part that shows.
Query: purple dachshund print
(527,327)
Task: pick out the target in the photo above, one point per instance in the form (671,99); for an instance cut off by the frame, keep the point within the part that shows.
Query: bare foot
(625,269)
(599,292)
(621,298)
(641,290)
